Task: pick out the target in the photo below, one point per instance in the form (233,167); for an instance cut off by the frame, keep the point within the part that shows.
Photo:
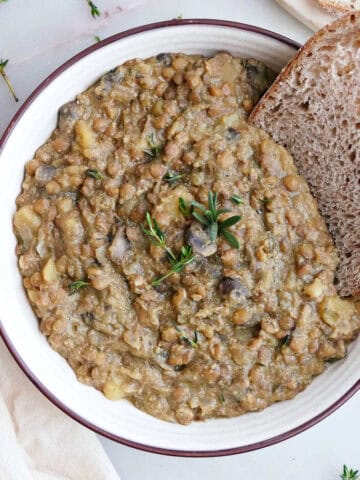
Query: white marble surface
(37,36)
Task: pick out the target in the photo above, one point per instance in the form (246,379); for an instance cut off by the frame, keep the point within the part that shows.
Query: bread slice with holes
(339,6)
(313,110)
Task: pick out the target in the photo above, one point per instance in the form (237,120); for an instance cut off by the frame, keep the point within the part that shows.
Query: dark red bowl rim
(43,389)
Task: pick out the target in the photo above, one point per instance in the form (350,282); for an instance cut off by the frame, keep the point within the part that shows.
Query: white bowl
(121,421)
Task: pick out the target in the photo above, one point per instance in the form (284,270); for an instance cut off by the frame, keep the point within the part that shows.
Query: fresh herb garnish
(185,208)
(186,257)
(94,174)
(97,38)
(3,64)
(236,199)
(75,286)
(95,12)
(222,398)
(210,218)
(349,474)
(185,338)
(172,177)
(157,238)
(155,149)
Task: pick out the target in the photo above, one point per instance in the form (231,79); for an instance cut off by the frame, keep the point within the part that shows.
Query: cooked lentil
(236,329)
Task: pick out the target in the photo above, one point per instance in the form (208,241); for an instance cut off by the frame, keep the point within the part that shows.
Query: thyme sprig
(155,149)
(95,12)
(3,64)
(349,474)
(209,216)
(97,38)
(75,286)
(186,257)
(157,238)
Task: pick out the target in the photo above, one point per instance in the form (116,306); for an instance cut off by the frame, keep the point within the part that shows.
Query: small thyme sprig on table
(349,474)
(3,64)
(155,149)
(75,286)
(95,12)
(157,238)
(210,218)
(97,38)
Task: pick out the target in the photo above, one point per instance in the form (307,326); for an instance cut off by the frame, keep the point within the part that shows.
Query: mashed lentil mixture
(129,259)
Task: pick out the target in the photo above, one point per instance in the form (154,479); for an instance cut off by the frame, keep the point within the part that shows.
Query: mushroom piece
(119,245)
(68,115)
(232,286)
(45,173)
(199,239)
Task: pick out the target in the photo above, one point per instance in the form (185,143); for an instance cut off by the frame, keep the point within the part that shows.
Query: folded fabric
(38,441)
(307,12)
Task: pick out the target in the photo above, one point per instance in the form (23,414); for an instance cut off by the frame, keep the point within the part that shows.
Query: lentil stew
(172,253)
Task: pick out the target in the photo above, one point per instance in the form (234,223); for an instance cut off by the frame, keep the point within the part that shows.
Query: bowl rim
(15,354)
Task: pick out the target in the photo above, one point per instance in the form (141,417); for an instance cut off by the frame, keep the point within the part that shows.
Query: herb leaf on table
(3,64)
(349,474)
(95,12)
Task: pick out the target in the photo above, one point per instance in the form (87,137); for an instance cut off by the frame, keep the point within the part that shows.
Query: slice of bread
(313,110)
(338,6)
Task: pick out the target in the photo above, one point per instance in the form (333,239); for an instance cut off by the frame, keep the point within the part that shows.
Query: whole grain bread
(339,6)
(313,110)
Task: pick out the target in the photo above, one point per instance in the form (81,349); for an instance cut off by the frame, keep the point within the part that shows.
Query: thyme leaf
(76,285)
(155,149)
(349,474)
(236,199)
(185,338)
(185,208)
(172,177)
(94,174)
(95,12)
